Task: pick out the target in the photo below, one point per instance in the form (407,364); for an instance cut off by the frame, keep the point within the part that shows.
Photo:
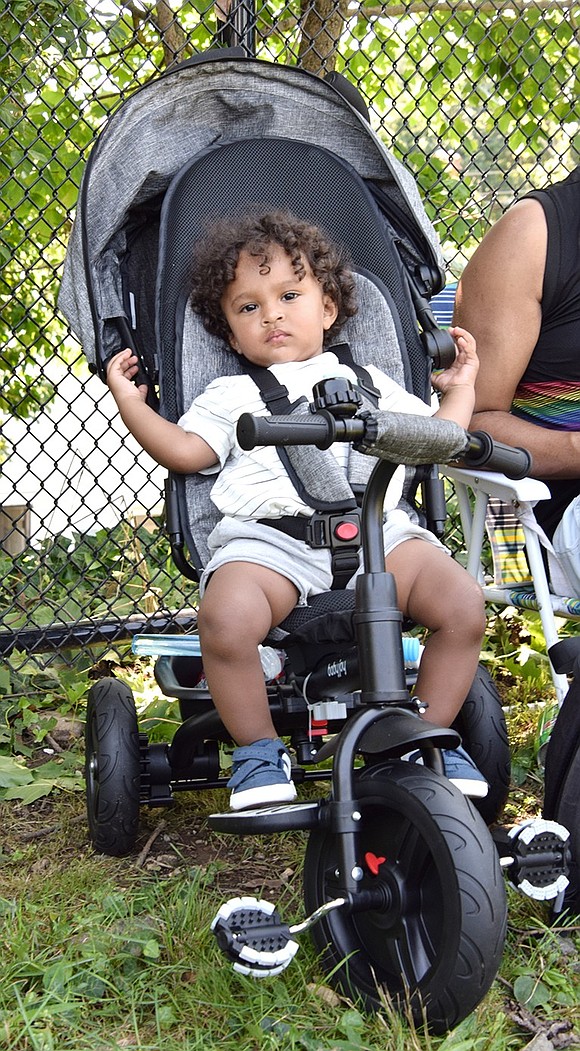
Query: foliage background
(479,100)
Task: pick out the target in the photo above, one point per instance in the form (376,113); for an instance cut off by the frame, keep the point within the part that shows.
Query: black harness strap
(273,394)
(322,529)
(340,533)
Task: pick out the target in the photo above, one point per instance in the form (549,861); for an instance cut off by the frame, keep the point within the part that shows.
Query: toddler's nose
(272,314)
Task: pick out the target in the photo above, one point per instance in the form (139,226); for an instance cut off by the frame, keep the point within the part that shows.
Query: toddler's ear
(232,342)
(330,312)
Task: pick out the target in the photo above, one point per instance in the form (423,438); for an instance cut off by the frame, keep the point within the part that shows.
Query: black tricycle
(403,879)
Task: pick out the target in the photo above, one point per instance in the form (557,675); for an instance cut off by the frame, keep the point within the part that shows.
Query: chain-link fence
(478,100)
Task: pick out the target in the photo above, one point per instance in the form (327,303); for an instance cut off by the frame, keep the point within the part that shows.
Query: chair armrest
(523,490)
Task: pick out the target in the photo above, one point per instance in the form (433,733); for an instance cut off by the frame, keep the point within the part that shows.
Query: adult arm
(167,443)
(499,300)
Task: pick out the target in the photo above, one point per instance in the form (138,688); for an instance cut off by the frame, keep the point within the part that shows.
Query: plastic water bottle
(272,662)
(412,650)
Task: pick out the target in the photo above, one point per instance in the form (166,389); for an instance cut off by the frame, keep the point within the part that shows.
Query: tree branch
(455,6)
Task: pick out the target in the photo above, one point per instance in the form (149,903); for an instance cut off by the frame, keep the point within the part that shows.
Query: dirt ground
(53,831)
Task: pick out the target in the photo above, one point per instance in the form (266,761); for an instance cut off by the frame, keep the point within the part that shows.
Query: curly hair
(216,256)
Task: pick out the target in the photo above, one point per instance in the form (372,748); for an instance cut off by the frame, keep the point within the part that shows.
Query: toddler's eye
(289,296)
(248,308)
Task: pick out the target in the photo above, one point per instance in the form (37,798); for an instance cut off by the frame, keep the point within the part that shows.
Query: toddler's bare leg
(437,592)
(241,603)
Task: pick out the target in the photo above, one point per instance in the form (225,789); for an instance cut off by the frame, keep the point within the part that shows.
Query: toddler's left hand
(463,371)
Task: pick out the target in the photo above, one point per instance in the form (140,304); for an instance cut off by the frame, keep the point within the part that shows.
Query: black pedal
(252,935)
(536,856)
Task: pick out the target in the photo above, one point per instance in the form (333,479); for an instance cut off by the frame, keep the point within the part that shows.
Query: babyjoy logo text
(336,670)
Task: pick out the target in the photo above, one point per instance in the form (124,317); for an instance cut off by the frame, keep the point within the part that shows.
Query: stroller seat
(317,186)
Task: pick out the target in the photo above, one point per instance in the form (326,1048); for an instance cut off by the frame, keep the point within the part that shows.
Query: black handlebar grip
(440,347)
(285,430)
(510,460)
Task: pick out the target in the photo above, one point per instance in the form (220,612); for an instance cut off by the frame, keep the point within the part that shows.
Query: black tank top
(548,393)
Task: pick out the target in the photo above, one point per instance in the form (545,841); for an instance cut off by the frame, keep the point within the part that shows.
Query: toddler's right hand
(121,371)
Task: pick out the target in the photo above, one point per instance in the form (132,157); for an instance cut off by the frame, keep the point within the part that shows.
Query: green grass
(99,954)
(103,954)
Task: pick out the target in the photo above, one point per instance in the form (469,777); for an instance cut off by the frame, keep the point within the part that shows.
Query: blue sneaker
(461,771)
(261,775)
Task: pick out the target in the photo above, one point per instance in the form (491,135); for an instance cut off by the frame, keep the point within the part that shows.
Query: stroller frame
(390,923)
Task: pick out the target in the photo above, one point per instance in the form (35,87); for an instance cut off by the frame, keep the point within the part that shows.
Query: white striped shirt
(254,484)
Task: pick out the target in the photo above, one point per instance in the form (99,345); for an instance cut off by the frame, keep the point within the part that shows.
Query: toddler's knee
(215,626)
(463,612)
(225,629)
(471,613)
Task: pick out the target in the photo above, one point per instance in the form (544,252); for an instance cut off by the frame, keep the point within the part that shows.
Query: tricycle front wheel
(437,946)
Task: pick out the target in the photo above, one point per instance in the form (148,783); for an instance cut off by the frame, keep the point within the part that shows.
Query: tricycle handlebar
(398,437)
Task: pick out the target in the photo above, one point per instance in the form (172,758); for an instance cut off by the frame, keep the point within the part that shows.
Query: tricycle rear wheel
(483,729)
(112,767)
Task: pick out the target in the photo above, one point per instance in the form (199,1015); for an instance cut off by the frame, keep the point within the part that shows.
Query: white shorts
(308,568)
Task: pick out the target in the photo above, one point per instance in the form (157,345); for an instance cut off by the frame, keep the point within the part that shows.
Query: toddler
(277,290)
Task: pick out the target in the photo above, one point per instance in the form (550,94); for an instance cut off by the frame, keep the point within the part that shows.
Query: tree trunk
(175,47)
(322,25)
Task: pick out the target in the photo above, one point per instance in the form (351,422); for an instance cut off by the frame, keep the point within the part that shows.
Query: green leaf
(353,1025)
(531,992)
(30,793)
(13,774)
(152,949)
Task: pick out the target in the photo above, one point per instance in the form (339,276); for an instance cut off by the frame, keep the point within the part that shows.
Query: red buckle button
(346,531)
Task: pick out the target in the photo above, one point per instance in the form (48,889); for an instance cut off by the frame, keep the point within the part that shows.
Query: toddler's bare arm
(167,443)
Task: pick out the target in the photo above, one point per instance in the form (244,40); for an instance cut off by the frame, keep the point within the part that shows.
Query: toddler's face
(272,315)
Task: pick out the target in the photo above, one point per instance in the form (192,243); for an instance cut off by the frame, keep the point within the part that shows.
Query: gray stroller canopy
(215,99)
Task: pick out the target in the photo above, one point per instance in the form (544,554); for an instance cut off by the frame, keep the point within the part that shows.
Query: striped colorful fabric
(555,404)
(526,599)
(511,572)
(507,542)
(443,304)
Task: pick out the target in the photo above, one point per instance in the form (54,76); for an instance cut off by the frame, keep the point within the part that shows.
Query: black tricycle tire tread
(472,901)
(113,809)
(483,729)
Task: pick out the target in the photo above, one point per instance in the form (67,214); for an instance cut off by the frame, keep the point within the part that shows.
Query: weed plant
(114,572)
